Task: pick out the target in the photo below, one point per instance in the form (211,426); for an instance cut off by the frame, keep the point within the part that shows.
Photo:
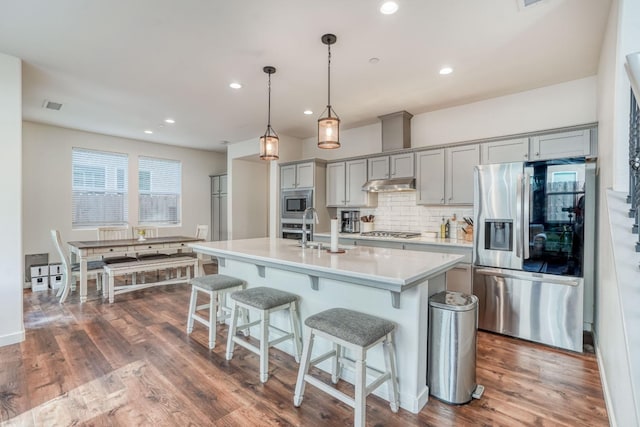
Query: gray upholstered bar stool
(264,301)
(358,332)
(216,286)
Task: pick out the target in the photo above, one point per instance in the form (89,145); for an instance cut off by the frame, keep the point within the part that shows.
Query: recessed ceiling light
(148,131)
(389,8)
(170,121)
(446,70)
(374,60)
(235,85)
(308,112)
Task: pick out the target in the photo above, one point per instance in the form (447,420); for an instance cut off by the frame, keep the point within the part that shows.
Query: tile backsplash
(398,211)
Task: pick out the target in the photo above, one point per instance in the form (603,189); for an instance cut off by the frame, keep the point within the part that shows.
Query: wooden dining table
(95,250)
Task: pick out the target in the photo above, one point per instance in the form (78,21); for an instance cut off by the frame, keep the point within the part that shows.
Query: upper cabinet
(394,166)
(445,175)
(511,150)
(344,184)
(430,177)
(559,145)
(298,175)
(219,184)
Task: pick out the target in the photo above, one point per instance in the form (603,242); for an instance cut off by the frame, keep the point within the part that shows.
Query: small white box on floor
(39,270)
(55,280)
(55,269)
(39,283)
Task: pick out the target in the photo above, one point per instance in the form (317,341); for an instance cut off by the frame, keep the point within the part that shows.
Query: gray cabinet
(336,187)
(344,184)
(558,145)
(459,174)
(445,175)
(298,175)
(219,207)
(430,177)
(394,166)
(511,150)
(378,167)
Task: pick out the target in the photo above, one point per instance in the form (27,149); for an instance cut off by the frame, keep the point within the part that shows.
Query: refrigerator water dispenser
(498,235)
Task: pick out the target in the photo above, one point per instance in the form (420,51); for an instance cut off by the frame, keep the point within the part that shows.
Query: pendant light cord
(269,108)
(329,80)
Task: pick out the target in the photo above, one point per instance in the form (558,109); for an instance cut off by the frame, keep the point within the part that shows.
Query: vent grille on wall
(527,3)
(52,105)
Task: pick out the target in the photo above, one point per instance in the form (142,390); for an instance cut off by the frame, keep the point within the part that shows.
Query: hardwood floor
(131,364)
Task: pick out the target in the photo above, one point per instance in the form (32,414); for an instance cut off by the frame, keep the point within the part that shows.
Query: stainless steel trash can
(452,346)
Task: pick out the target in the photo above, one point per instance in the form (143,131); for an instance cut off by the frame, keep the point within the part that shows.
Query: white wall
(250,189)
(565,104)
(289,149)
(354,142)
(11,260)
(47,182)
(621,38)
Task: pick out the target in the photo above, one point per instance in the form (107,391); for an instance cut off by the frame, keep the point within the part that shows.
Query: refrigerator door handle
(525,214)
(519,217)
(498,272)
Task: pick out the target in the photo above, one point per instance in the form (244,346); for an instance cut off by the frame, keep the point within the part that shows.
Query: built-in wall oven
(294,202)
(292,229)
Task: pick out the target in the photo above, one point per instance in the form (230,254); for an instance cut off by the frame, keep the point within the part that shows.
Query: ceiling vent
(51,105)
(523,4)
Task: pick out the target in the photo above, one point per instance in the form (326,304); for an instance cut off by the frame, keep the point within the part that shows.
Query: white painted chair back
(149,231)
(113,233)
(202,231)
(66,266)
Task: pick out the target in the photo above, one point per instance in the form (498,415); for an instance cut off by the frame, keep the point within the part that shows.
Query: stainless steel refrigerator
(534,249)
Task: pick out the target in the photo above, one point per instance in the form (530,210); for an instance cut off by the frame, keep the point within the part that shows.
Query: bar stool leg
(264,347)
(390,362)
(303,370)
(213,307)
(232,331)
(192,309)
(336,366)
(295,322)
(360,389)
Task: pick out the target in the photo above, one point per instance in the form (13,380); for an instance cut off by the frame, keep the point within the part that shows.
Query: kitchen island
(389,283)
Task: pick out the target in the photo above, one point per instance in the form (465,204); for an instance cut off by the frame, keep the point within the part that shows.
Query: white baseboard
(13,338)
(603,380)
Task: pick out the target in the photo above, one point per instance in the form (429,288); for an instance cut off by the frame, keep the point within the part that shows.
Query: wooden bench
(113,270)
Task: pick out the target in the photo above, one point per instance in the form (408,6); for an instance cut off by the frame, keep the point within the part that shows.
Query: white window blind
(159,191)
(99,187)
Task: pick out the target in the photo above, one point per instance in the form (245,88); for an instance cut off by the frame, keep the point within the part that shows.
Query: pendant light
(329,126)
(269,141)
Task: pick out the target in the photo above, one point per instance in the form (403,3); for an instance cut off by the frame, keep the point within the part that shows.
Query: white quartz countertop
(391,269)
(418,240)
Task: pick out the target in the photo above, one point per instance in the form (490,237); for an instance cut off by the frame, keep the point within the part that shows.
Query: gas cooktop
(392,234)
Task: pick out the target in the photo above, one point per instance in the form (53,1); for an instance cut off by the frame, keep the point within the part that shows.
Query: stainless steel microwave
(294,202)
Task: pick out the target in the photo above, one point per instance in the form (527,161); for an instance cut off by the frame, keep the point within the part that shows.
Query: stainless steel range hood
(388,185)
(396,135)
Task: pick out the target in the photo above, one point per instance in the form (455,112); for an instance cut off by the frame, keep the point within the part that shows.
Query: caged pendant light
(269,141)
(329,126)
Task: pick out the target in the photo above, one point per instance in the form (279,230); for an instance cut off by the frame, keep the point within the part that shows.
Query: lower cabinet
(459,279)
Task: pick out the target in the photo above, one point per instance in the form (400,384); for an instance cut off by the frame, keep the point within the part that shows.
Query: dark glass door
(556,204)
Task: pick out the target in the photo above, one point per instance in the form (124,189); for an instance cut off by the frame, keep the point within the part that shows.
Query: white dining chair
(202,231)
(148,231)
(113,233)
(71,271)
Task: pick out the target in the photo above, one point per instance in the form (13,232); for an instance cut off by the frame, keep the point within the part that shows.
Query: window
(159,191)
(99,188)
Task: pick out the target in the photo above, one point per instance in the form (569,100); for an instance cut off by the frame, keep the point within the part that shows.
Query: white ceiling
(121,66)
